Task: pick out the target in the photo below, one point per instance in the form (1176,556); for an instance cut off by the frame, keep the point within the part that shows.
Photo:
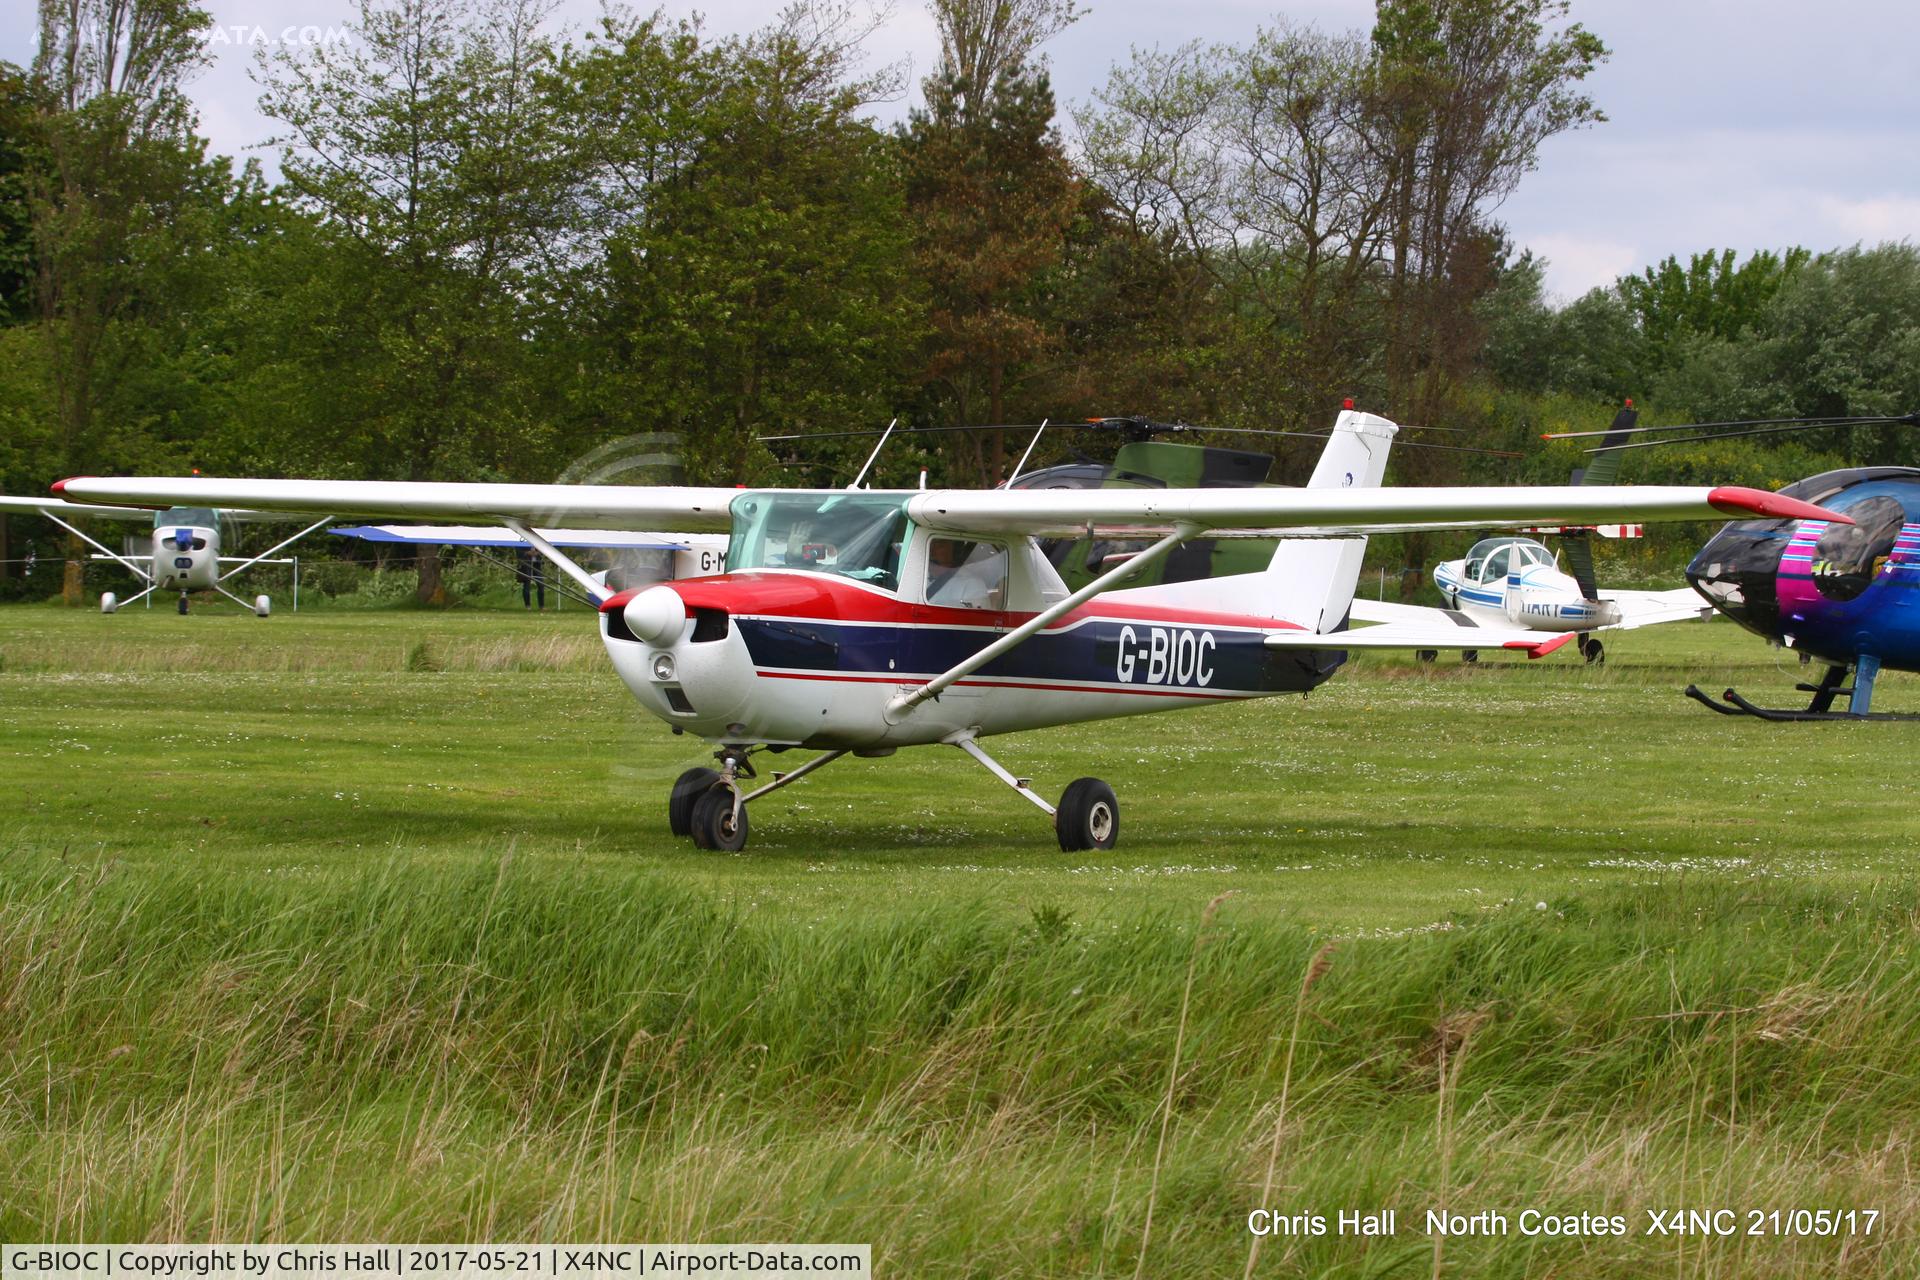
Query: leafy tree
(760,280)
(1710,295)
(991,196)
(119,206)
(431,147)
(1464,93)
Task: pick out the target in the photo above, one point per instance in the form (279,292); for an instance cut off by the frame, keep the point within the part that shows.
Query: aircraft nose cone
(656,615)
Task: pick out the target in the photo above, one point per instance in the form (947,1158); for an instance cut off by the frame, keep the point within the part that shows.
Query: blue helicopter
(1847,595)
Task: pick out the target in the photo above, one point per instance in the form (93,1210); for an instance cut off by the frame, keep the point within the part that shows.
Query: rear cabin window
(966,575)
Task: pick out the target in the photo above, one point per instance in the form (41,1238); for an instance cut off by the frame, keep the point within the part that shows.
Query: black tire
(1089,816)
(183,606)
(1469,655)
(1595,652)
(1426,655)
(687,788)
(714,826)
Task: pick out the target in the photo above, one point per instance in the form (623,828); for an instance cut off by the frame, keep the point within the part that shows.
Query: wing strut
(1044,619)
(142,574)
(248,564)
(596,592)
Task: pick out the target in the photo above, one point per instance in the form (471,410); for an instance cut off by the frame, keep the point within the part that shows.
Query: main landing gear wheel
(108,602)
(1089,816)
(1469,655)
(262,606)
(1426,655)
(716,822)
(687,789)
(1592,650)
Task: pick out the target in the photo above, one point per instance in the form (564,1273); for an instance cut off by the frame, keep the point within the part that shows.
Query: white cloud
(1873,219)
(1577,263)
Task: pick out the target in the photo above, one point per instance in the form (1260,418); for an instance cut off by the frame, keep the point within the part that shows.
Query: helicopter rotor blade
(1735,435)
(1145,426)
(1803,424)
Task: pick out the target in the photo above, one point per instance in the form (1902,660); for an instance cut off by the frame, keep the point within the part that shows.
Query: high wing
(1321,513)
(1424,635)
(1055,512)
(71,510)
(579,506)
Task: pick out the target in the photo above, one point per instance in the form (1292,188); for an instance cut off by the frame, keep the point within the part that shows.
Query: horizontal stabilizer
(1365,610)
(1404,635)
(1646,608)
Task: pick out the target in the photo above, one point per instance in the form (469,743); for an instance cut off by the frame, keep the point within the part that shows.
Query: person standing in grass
(533,578)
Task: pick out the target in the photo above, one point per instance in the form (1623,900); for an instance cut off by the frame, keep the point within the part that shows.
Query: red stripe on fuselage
(827,599)
(1009,684)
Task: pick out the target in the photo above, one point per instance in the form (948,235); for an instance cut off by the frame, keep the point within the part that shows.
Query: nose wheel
(710,805)
(719,821)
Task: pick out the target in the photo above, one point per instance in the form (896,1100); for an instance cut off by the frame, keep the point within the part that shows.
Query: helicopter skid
(1735,705)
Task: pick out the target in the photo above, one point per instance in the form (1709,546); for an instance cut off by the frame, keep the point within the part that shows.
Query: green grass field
(366,925)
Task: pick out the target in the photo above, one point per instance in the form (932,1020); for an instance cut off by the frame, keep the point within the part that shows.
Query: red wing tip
(60,486)
(1735,500)
(1542,648)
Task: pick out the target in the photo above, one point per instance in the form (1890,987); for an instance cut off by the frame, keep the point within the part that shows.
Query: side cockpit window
(966,575)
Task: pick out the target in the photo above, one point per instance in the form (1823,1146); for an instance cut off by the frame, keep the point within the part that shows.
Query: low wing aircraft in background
(1517,582)
(185,553)
(863,621)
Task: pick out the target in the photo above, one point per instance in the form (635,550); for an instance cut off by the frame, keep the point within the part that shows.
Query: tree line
(497,250)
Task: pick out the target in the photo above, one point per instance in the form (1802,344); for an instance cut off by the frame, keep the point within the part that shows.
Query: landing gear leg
(1825,692)
(710,805)
(1866,668)
(1088,816)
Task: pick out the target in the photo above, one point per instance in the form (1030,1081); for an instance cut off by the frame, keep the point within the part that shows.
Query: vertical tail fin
(1311,580)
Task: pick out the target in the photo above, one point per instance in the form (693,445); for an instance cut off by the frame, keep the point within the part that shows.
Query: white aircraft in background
(1517,582)
(863,621)
(186,548)
(1513,581)
(691,555)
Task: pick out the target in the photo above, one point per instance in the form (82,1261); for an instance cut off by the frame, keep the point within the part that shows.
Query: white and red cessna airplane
(862,621)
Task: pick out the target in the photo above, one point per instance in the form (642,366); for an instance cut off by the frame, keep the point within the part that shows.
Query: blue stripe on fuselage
(1114,652)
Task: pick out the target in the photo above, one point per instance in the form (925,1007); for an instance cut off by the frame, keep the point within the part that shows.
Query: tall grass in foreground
(525,1050)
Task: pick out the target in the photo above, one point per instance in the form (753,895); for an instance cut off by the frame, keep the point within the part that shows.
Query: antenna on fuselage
(875,454)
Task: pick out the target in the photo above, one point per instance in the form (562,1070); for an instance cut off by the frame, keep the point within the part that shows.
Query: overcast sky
(1742,123)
